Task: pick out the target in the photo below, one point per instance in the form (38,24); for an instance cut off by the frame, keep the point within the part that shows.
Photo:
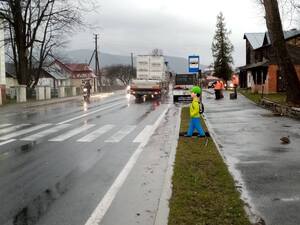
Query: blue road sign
(194,64)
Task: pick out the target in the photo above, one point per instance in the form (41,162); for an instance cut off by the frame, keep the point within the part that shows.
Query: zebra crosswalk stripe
(72,133)
(117,137)
(144,134)
(6,142)
(24,131)
(95,134)
(5,125)
(44,133)
(13,128)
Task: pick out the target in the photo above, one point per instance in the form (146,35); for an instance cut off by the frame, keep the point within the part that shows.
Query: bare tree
(122,73)
(157,52)
(274,25)
(35,28)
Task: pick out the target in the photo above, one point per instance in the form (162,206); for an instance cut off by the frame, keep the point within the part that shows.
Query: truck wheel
(175,99)
(138,98)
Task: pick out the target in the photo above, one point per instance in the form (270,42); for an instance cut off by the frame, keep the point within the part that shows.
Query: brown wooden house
(261,72)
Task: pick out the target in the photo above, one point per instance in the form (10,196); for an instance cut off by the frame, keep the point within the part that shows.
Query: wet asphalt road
(58,161)
(268,172)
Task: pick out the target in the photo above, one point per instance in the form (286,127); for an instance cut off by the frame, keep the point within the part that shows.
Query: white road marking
(95,134)
(45,132)
(5,125)
(117,137)
(25,131)
(6,142)
(13,128)
(89,113)
(72,133)
(106,201)
(144,134)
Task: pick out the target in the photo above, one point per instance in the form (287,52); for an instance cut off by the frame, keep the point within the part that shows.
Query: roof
(75,67)
(291,33)
(255,39)
(47,71)
(293,51)
(264,63)
(55,73)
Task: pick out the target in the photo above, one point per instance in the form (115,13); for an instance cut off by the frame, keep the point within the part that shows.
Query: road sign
(194,64)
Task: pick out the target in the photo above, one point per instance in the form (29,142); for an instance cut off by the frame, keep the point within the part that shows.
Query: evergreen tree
(222,49)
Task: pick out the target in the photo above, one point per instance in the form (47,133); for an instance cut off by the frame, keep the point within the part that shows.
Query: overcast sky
(178,27)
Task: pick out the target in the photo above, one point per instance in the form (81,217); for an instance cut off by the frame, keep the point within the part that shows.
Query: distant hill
(176,64)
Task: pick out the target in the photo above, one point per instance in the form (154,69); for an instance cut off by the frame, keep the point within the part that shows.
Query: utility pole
(97,64)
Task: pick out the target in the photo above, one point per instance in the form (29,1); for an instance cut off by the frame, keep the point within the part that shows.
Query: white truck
(152,77)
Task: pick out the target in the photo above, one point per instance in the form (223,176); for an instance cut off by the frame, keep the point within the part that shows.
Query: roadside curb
(52,102)
(162,214)
(283,110)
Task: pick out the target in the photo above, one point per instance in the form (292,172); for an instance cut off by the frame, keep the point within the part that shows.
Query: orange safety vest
(222,84)
(235,80)
(218,85)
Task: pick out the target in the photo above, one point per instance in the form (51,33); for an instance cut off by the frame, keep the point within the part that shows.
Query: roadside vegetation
(279,97)
(203,190)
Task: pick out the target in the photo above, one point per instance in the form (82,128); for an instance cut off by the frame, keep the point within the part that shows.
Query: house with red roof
(77,73)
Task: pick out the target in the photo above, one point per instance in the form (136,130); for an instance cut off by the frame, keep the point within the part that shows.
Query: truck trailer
(152,77)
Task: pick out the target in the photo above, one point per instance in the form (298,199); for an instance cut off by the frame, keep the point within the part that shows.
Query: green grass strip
(203,190)
(279,97)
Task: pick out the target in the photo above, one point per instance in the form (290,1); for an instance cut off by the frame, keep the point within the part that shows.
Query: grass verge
(279,97)
(203,190)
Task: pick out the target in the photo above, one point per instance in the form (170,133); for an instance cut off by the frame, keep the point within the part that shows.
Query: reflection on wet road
(43,155)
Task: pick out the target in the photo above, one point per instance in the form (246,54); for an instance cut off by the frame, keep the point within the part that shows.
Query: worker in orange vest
(235,82)
(218,88)
(222,88)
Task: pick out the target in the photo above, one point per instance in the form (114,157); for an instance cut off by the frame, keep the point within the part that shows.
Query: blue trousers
(195,124)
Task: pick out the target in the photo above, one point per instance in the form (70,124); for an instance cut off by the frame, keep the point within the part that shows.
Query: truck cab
(182,86)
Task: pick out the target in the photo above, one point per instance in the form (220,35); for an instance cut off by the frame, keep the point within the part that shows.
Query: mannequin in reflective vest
(195,122)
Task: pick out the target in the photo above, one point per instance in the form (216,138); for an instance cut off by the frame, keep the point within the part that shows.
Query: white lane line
(72,133)
(13,128)
(89,113)
(144,134)
(95,134)
(44,133)
(25,131)
(5,125)
(6,142)
(117,137)
(104,204)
